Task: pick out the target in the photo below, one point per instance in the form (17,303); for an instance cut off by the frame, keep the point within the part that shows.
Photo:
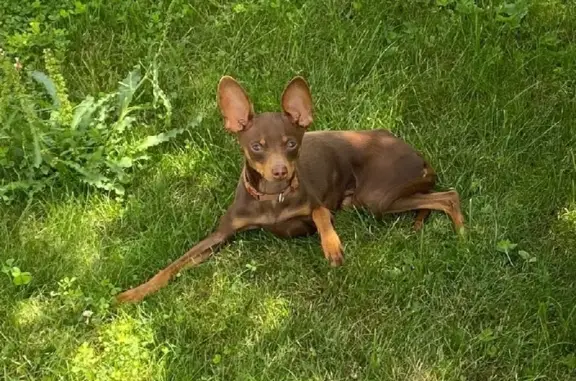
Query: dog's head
(270,141)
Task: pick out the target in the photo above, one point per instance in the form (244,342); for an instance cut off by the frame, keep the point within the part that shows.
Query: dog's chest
(273,212)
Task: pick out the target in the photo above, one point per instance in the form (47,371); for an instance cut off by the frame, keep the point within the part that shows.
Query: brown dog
(291,181)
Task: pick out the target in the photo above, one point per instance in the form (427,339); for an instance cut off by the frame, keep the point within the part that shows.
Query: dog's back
(339,163)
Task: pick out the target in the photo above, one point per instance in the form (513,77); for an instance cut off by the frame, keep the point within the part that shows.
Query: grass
(488,96)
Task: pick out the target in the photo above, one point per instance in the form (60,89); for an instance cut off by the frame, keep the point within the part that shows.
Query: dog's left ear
(297,102)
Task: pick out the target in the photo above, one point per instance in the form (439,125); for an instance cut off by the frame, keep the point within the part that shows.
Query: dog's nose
(279,171)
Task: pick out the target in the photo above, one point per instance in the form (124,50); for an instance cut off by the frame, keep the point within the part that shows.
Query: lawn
(485,89)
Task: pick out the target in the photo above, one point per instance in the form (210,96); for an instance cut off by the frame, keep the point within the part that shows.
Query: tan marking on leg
(348,199)
(447,202)
(330,241)
(239,223)
(420,217)
(346,202)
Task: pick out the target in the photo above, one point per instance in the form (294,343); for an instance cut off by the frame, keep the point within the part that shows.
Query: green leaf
(22,186)
(487,335)
(239,8)
(196,121)
(527,256)
(35,26)
(22,278)
(79,7)
(492,350)
(505,246)
(125,162)
(128,87)
(37,151)
(15,271)
(49,86)
(119,189)
(90,177)
(82,112)
(122,124)
(443,3)
(159,94)
(217,359)
(569,360)
(154,140)
(251,267)
(513,13)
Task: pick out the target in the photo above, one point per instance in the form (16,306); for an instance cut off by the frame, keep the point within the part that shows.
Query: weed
(18,277)
(96,141)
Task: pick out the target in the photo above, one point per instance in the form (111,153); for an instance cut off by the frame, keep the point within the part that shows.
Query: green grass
(491,105)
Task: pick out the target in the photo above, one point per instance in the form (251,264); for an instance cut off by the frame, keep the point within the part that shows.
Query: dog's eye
(291,144)
(256,147)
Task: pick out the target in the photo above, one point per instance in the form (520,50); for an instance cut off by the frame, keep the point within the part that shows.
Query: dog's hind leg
(447,202)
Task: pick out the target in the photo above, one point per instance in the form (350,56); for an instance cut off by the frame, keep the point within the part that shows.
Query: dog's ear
(234,104)
(297,102)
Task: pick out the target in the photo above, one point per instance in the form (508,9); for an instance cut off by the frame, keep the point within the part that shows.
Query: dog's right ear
(234,104)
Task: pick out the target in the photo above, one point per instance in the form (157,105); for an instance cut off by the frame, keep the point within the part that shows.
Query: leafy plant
(460,6)
(99,141)
(569,361)
(123,350)
(527,256)
(18,277)
(507,247)
(28,27)
(512,13)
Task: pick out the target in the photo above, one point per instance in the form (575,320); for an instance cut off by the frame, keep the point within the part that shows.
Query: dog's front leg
(329,238)
(227,228)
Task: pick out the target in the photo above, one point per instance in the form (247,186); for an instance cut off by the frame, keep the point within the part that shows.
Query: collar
(269,196)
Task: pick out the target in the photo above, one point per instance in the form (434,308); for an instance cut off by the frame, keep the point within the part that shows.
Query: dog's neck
(261,188)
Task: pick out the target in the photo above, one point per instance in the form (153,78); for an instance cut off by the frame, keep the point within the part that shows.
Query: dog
(292,180)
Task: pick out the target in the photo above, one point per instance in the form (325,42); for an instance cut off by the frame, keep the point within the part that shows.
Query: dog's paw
(418,224)
(332,248)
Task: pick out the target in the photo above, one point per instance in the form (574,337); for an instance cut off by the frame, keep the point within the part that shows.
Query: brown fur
(295,179)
